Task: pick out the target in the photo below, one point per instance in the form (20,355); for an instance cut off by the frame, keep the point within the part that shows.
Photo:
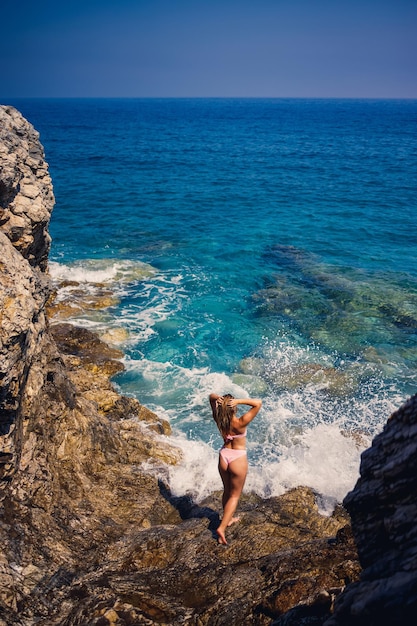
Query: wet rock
(83,343)
(78,301)
(87,349)
(328,379)
(254,384)
(115,336)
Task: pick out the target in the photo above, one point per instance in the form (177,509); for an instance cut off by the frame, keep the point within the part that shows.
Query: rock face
(69,464)
(383,509)
(89,536)
(23,294)
(26,195)
(26,201)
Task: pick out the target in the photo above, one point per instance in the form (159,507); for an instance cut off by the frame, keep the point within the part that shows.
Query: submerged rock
(79,301)
(257,375)
(254,384)
(340,308)
(328,379)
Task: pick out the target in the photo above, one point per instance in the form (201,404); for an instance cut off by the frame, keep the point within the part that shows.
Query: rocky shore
(90,533)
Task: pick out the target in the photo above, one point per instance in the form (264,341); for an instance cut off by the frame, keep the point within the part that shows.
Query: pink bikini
(229,454)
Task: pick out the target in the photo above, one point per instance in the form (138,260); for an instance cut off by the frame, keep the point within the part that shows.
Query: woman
(233,462)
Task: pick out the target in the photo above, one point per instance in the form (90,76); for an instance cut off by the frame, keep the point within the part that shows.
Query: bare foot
(234,520)
(222,538)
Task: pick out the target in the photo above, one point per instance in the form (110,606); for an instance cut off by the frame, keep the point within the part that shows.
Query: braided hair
(223,414)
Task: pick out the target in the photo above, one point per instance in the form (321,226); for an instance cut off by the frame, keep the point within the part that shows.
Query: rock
(328,379)
(23,293)
(71,449)
(26,195)
(383,510)
(115,335)
(180,574)
(77,301)
(87,349)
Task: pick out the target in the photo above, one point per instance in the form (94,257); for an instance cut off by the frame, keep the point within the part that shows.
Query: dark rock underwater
(90,537)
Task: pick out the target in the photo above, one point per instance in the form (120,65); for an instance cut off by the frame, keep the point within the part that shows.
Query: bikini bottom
(229,455)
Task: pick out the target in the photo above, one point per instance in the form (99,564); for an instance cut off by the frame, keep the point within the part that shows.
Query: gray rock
(26,194)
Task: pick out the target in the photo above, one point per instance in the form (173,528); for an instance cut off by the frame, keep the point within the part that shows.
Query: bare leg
(233,477)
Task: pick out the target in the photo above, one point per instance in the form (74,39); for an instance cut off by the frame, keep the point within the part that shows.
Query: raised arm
(213,399)
(247,417)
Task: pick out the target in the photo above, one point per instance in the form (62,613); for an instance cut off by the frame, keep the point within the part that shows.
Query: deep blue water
(263,247)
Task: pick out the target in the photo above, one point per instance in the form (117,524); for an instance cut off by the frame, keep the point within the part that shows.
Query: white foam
(101,271)
(160,295)
(197,475)
(289,444)
(211,382)
(323,459)
(165,377)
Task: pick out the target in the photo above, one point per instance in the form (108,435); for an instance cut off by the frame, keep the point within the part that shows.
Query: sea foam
(101,271)
(283,452)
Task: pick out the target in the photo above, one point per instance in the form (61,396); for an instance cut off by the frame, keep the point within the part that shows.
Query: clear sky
(203,48)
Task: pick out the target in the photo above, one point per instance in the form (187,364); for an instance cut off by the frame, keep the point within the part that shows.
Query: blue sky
(209,48)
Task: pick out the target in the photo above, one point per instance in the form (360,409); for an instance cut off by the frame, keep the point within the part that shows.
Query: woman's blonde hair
(223,414)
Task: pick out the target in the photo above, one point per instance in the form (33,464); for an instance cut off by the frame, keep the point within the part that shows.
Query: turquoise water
(263,247)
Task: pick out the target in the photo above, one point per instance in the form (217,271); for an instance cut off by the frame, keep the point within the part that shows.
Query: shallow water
(263,247)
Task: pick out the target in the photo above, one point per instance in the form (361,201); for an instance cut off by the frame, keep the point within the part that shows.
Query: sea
(259,247)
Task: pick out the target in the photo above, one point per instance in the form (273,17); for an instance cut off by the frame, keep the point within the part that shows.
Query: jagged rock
(383,509)
(26,195)
(23,293)
(179,574)
(71,465)
(88,349)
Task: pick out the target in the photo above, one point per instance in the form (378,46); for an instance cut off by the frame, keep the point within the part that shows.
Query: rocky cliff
(383,510)
(69,465)
(88,537)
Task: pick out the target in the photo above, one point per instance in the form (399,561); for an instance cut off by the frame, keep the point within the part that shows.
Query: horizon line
(209,98)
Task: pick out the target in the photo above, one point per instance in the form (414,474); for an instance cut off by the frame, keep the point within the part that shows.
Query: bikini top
(231,437)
